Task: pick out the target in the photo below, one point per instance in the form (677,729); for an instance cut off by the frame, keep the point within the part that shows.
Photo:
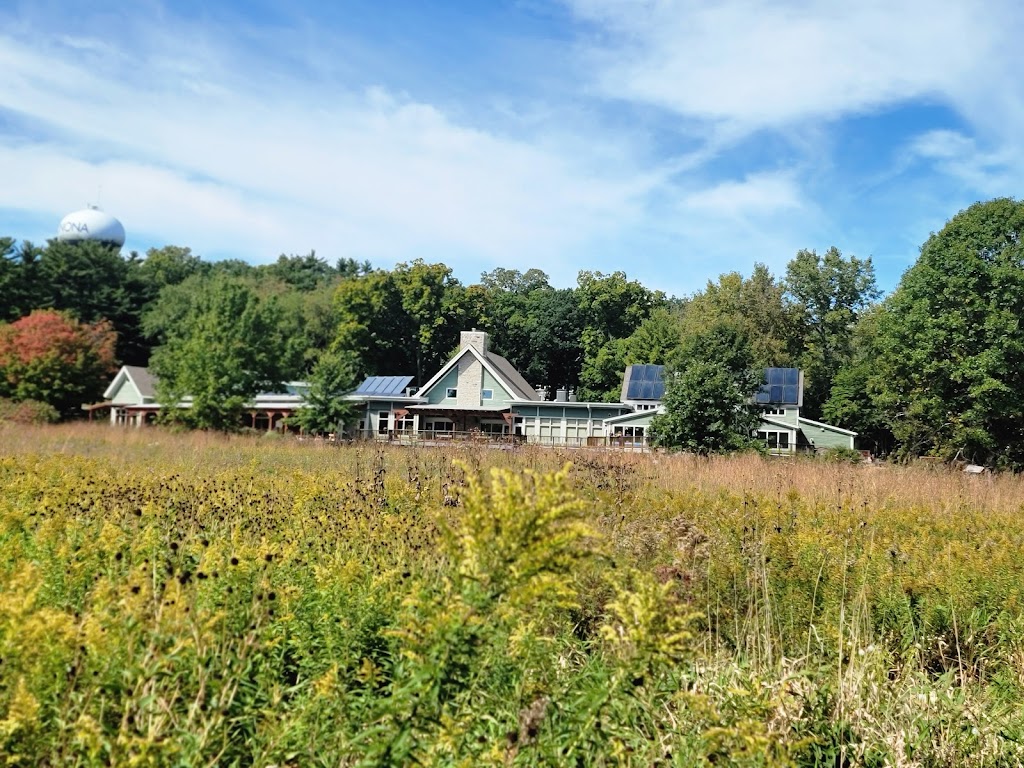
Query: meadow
(198,599)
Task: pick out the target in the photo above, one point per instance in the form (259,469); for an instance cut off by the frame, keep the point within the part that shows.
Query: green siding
(501,395)
(826,438)
(639,419)
(436,395)
(126,394)
(790,417)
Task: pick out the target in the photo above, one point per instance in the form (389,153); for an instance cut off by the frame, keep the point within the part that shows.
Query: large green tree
(611,309)
(405,320)
(709,390)
(853,401)
(535,326)
(758,305)
(951,342)
(326,409)
(830,291)
(225,348)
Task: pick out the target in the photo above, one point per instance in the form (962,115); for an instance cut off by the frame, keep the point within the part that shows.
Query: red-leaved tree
(51,357)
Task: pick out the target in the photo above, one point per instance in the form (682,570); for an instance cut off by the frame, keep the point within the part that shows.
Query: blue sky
(670,139)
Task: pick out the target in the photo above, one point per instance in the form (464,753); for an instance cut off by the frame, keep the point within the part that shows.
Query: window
(775,440)
(451,392)
(486,394)
(383,423)
(493,428)
(774,411)
(405,424)
(435,427)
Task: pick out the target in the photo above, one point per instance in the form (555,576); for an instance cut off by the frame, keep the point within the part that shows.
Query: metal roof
(383,385)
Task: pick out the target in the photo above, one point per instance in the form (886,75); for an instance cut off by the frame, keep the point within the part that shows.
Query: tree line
(933,368)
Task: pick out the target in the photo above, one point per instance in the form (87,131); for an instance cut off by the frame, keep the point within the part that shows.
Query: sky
(669,139)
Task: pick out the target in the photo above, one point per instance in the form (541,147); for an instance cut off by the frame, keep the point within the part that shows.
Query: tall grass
(202,599)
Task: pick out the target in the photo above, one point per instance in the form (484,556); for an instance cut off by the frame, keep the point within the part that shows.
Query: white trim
(425,389)
(776,423)
(827,427)
(560,403)
(634,415)
(115,385)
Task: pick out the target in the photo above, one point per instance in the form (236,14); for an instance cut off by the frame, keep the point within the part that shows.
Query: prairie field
(199,599)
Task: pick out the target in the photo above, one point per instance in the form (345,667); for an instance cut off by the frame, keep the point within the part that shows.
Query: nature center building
(782,428)
(477,393)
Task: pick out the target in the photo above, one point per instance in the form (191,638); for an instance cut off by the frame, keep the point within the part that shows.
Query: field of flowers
(203,600)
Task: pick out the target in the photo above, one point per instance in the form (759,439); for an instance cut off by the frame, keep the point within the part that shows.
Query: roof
(827,427)
(634,416)
(143,380)
(139,377)
(498,367)
(777,423)
(520,387)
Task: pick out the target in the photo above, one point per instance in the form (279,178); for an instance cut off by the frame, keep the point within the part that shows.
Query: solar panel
(781,387)
(645,382)
(383,385)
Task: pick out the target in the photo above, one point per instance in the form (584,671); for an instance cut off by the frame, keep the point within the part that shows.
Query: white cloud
(259,165)
(751,63)
(757,194)
(987,172)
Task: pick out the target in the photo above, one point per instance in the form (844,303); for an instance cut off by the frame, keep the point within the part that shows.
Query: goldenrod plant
(203,599)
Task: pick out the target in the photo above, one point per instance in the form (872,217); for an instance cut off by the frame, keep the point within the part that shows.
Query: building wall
(826,438)
(789,415)
(568,423)
(470,382)
(500,395)
(437,396)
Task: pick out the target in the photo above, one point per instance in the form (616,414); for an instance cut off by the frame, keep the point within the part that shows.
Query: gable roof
(140,378)
(500,368)
(518,386)
(143,380)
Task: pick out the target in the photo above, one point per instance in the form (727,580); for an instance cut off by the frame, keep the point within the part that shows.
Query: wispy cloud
(259,165)
(674,139)
(752,63)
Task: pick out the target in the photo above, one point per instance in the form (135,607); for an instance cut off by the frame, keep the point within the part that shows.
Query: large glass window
(774,440)
(434,427)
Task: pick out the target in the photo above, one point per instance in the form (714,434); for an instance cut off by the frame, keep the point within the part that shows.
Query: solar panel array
(781,387)
(384,385)
(645,382)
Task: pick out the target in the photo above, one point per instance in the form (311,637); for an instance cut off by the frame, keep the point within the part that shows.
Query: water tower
(92,225)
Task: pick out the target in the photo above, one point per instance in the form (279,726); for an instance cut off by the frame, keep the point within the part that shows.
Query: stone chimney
(476,339)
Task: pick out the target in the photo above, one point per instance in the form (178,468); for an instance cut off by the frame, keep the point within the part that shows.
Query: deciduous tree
(326,409)
(830,291)
(951,371)
(709,390)
(225,349)
(51,357)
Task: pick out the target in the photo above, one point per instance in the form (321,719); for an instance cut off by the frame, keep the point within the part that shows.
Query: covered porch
(433,423)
